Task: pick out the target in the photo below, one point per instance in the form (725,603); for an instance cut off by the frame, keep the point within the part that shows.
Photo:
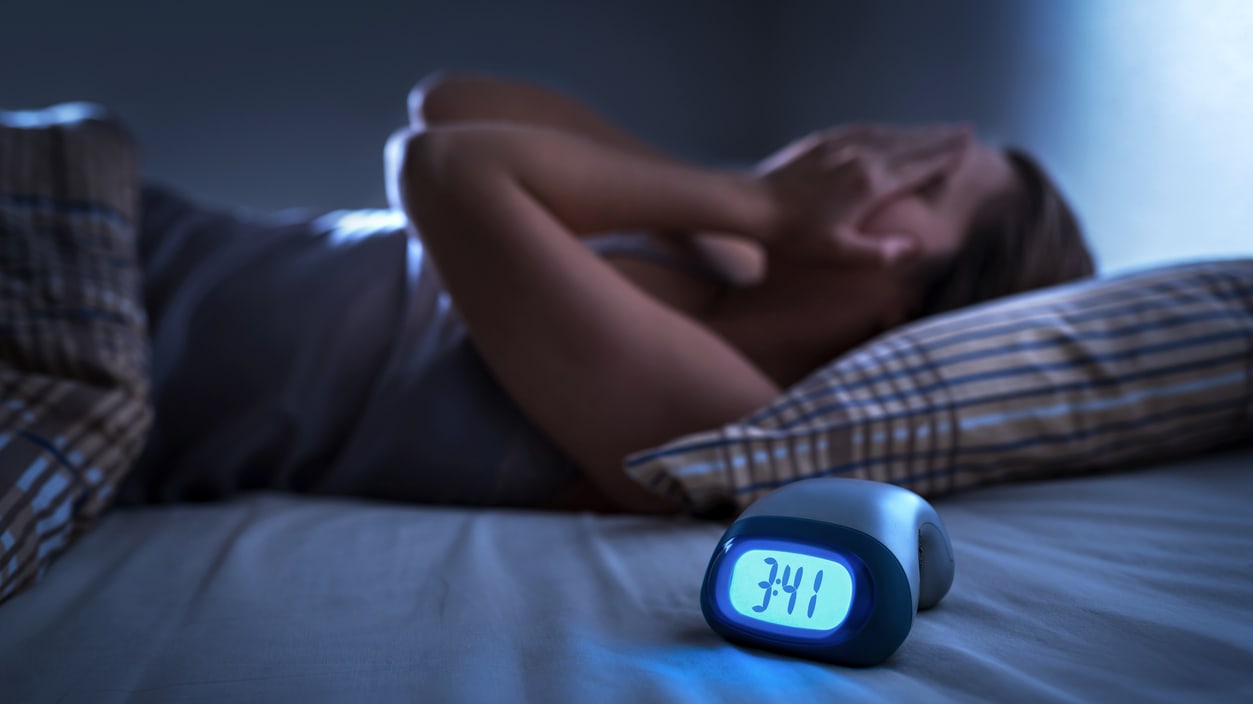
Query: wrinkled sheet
(1130,586)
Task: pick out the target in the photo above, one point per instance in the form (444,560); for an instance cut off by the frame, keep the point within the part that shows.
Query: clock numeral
(790,582)
(793,587)
(813,600)
(768,585)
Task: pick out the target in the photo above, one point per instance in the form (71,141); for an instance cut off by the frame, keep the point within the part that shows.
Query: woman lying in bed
(716,290)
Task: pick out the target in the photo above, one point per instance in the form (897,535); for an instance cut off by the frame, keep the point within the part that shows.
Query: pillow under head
(1086,376)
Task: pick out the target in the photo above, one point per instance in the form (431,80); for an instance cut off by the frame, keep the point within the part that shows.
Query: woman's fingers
(894,150)
(857,247)
(902,163)
(925,146)
(888,139)
(910,169)
(830,180)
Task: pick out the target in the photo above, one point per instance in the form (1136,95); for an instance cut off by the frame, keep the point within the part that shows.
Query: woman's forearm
(600,366)
(457,98)
(592,187)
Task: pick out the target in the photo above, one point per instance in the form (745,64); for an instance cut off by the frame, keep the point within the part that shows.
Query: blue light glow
(791,589)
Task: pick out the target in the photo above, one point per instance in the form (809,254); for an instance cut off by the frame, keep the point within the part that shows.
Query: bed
(1124,586)
(1095,585)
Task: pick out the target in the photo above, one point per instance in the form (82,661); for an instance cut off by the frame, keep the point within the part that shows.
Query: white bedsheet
(1134,586)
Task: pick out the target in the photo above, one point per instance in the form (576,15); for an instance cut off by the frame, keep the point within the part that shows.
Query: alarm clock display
(828,569)
(788,588)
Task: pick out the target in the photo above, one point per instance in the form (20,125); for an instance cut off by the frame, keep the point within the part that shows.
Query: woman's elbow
(422,97)
(438,98)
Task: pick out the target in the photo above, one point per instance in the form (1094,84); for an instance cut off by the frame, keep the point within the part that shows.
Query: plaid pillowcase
(73,338)
(1081,377)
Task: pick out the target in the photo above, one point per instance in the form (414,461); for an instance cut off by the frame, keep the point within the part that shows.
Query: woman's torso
(325,356)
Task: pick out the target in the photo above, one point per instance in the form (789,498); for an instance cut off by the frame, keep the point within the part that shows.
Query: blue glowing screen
(791,589)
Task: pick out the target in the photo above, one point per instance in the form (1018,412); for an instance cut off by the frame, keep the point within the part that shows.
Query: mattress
(1128,586)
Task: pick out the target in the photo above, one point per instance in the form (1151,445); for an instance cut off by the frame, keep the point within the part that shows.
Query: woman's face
(937,215)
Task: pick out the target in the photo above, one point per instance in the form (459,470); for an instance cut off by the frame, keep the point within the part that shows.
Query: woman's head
(1029,241)
(992,226)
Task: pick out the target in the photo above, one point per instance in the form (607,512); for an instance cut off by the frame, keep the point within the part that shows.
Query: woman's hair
(1018,243)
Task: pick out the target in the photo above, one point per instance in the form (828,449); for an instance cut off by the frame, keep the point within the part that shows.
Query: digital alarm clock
(828,569)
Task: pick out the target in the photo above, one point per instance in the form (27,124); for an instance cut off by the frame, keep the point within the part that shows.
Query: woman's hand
(826,184)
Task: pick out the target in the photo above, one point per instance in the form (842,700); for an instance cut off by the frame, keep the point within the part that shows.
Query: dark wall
(257,104)
(280,104)
(1141,109)
(895,60)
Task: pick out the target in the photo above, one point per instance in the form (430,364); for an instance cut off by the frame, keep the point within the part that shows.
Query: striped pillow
(73,339)
(1086,376)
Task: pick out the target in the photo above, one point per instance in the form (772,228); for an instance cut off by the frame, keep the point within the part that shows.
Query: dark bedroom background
(1140,108)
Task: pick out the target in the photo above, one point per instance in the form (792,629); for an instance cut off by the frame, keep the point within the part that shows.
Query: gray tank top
(324,355)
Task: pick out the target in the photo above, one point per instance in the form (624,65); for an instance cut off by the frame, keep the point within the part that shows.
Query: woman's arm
(598,365)
(457,98)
